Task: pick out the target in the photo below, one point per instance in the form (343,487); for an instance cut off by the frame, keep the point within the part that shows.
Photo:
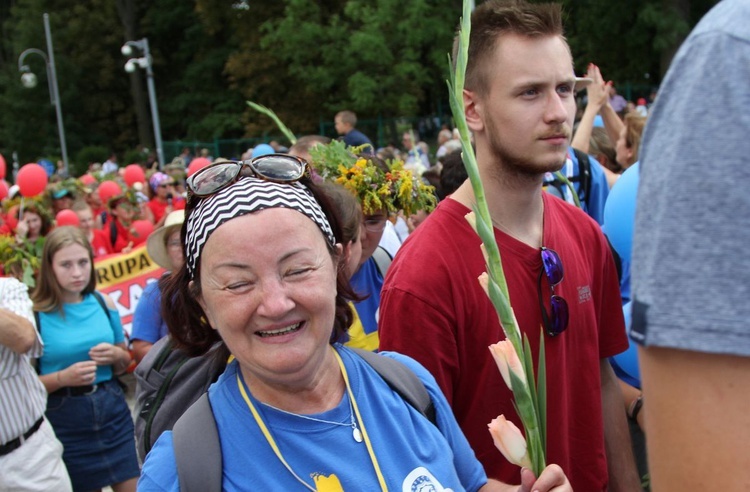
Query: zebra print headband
(246,196)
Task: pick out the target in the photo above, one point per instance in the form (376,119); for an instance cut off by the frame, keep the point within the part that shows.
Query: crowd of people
(303,262)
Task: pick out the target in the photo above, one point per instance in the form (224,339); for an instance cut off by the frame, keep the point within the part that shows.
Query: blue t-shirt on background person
(148,324)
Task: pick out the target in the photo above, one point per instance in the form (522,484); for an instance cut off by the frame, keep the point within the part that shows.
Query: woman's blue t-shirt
(68,339)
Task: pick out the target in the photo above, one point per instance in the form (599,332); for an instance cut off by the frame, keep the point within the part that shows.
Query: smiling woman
(266,275)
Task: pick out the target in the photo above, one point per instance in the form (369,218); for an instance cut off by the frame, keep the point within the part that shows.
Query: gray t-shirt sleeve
(691,249)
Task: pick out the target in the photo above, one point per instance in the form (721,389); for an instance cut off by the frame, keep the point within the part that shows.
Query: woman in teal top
(83,350)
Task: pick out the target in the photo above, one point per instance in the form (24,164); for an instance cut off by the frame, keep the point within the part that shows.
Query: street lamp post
(145,62)
(28,79)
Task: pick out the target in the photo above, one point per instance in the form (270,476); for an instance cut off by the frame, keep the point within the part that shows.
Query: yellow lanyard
(272,442)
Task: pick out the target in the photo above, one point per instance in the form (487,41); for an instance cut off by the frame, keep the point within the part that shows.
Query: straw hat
(156,243)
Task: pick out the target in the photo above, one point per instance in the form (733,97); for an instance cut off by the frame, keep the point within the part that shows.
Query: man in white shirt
(30,454)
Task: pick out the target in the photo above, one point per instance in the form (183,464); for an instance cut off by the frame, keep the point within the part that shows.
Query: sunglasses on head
(278,168)
(556,320)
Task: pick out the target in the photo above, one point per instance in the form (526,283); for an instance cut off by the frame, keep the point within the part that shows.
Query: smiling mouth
(279,332)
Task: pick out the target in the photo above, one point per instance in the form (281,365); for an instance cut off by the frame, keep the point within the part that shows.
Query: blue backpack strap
(197,450)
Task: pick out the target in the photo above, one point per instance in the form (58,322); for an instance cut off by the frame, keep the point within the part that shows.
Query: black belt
(14,444)
(76,390)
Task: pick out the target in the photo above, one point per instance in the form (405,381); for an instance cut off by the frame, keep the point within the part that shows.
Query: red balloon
(140,230)
(12,218)
(197,164)
(3,168)
(67,218)
(108,189)
(3,189)
(87,179)
(134,174)
(31,179)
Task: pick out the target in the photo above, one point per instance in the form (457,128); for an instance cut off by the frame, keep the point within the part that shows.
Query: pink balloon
(3,168)
(3,189)
(67,218)
(140,230)
(31,179)
(134,174)
(87,179)
(197,164)
(108,189)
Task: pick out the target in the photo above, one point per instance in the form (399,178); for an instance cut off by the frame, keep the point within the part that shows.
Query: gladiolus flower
(509,440)
(507,360)
(484,281)
(471,218)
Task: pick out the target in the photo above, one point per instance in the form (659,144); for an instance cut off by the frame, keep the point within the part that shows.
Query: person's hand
(128,248)
(22,230)
(105,354)
(552,479)
(598,90)
(78,374)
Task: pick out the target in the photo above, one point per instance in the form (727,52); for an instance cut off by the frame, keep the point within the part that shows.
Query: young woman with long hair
(83,351)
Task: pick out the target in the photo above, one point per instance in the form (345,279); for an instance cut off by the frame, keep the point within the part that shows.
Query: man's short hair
(304,144)
(348,117)
(495,18)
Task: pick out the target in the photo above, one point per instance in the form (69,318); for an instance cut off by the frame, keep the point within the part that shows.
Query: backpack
(583,178)
(382,259)
(168,381)
(196,439)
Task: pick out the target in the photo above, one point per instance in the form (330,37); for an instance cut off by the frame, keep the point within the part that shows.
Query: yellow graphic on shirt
(327,484)
(357,336)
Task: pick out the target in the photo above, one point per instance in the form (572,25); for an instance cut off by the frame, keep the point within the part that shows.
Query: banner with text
(123,277)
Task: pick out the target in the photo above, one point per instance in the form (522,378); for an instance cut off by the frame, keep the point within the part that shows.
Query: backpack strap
(382,260)
(197,450)
(100,299)
(112,232)
(402,380)
(195,437)
(584,171)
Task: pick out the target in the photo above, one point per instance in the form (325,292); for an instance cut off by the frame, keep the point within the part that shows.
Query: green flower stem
(530,395)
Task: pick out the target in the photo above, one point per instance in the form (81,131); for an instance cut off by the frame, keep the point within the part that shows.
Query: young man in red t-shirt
(98,238)
(519,104)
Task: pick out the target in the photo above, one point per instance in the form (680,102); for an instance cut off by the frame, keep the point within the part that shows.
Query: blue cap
(262,149)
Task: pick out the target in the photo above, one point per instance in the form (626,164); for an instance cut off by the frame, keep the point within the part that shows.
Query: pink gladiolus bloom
(484,281)
(509,440)
(507,360)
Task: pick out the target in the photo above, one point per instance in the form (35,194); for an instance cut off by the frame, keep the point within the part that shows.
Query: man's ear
(473,110)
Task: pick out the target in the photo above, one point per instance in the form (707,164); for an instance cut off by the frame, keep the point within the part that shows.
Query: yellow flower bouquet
(379,186)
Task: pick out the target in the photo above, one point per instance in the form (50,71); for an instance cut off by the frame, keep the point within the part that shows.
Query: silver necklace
(356,433)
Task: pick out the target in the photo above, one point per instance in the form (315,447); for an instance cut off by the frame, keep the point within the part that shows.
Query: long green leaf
(269,112)
(541,391)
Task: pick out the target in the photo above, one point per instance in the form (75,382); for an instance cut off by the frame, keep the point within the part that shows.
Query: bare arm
(16,332)
(140,349)
(623,474)
(696,417)
(596,98)
(612,122)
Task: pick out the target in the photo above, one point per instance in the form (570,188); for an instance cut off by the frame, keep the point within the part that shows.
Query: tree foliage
(305,59)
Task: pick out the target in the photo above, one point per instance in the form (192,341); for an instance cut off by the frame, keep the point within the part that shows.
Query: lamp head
(126,49)
(130,66)
(28,79)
